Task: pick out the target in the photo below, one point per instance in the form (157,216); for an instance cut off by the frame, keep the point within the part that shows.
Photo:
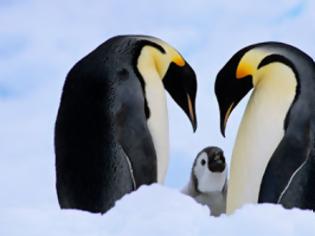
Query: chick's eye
(203,162)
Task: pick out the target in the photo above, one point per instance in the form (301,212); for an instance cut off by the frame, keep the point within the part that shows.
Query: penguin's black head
(244,71)
(179,79)
(231,87)
(180,82)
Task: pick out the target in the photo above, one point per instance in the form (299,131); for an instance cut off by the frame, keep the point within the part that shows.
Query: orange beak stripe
(190,107)
(227,114)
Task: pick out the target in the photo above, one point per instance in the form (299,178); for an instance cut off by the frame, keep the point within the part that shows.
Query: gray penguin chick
(208,180)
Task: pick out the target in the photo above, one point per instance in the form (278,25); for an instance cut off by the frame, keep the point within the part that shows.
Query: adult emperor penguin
(208,180)
(111,133)
(273,156)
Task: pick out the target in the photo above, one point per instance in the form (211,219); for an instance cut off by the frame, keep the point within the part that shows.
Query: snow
(157,210)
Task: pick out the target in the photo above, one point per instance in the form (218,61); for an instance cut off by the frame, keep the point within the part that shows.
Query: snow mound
(156,210)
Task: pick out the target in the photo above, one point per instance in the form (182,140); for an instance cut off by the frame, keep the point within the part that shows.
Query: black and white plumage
(208,180)
(111,133)
(273,157)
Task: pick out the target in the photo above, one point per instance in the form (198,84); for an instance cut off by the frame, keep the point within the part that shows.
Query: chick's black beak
(216,162)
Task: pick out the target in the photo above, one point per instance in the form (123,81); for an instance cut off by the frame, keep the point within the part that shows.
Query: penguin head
(209,170)
(245,70)
(179,79)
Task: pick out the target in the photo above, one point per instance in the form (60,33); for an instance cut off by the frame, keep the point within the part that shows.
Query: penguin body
(272,155)
(208,180)
(111,133)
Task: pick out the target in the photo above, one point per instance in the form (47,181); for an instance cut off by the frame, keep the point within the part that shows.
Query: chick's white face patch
(208,181)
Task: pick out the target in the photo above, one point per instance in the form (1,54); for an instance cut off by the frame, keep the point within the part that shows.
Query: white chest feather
(156,99)
(259,134)
(158,124)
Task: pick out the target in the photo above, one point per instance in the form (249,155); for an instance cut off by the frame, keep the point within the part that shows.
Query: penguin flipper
(132,131)
(139,153)
(289,172)
(120,182)
(299,191)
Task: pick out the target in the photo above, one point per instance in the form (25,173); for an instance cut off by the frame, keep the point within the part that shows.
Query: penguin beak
(181,84)
(191,112)
(224,116)
(216,163)
(230,91)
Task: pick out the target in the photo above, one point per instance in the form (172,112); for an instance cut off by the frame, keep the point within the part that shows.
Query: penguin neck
(158,123)
(260,132)
(155,96)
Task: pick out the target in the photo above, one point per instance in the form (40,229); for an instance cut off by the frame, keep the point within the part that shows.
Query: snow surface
(157,210)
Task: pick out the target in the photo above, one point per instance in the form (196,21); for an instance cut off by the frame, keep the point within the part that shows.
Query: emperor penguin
(111,132)
(273,157)
(208,180)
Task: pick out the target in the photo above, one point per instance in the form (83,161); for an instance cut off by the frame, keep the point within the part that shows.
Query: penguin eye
(203,162)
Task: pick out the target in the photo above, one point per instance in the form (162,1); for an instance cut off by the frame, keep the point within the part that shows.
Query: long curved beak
(192,113)
(225,114)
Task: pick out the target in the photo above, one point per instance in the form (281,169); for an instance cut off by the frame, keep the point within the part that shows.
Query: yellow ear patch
(249,63)
(172,53)
(244,69)
(151,58)
(178,60)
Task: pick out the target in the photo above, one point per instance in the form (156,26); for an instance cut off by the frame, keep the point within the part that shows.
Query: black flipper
(132,130)
(300,192)
(289,176)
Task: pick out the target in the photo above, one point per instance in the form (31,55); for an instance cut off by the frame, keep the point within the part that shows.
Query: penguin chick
(208,180)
